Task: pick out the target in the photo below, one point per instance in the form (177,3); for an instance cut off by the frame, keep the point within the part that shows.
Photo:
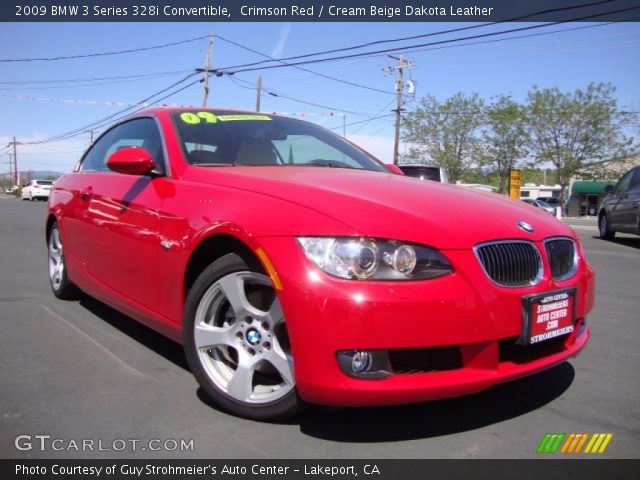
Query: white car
(36,189)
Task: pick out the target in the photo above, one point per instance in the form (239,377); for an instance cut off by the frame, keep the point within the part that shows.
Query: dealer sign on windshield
(549,315)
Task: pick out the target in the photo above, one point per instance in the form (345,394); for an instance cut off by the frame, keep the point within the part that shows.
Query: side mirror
(131,161)
(395,169)
(608,189)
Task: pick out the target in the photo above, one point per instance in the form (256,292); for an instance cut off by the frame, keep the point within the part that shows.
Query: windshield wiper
(220,164)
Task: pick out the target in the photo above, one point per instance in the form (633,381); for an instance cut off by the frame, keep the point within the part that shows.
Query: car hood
(392,206)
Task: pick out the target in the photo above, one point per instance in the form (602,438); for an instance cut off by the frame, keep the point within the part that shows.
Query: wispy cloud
(278,49)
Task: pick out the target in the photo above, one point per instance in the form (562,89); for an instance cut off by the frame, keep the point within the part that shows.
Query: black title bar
(541,469)
(318,10)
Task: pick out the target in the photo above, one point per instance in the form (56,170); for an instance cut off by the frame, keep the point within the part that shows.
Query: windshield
(226,138)
(44,182)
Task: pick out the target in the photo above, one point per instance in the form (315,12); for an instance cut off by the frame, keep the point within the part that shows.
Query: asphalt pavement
(80,371)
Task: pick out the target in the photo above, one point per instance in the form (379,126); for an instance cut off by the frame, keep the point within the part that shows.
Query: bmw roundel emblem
(253,337)
(525,226)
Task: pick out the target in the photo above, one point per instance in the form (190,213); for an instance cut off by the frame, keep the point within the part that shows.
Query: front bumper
(463,311)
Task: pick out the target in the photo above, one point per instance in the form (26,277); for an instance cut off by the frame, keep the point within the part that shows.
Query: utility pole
(16,174)
(402,64)
(258,90)
(207,66)
(10,162)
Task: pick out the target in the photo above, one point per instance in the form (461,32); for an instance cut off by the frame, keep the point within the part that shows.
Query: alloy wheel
(56,259)
(241,341)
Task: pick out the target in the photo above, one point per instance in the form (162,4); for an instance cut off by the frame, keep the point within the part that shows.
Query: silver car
(540,204)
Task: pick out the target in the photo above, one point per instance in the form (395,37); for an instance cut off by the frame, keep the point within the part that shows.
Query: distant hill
(36,174)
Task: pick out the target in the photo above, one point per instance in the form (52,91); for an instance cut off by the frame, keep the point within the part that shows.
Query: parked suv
(620,209)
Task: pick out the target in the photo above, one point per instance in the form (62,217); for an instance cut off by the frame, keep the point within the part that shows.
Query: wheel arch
(213,247)
(51,219)
(601,212)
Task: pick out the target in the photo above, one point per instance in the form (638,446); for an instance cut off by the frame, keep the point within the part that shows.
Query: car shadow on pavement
(380,424)
(624,241)
(151,339)
(443,417)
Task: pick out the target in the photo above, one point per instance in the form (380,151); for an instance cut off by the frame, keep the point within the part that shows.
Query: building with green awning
(584,197)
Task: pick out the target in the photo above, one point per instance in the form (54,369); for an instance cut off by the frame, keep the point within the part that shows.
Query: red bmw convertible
(295,268)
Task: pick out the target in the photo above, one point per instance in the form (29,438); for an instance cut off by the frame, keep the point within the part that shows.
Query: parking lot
(80,370)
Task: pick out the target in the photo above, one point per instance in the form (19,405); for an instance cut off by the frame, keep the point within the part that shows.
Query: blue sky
(567,60)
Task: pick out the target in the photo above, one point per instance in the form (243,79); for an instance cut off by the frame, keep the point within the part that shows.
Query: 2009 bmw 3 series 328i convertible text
(295,268)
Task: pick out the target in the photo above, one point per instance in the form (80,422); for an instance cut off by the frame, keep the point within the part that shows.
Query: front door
(120,215)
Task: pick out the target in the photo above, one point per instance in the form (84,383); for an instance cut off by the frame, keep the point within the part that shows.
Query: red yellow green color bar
(574,443)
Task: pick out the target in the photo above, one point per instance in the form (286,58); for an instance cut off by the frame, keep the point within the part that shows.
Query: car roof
(191,108)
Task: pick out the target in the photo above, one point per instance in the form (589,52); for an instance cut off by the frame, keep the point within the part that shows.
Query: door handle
(85,193)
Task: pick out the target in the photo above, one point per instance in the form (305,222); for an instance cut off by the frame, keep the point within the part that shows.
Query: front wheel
(236,341)
(62,287)
(603,226)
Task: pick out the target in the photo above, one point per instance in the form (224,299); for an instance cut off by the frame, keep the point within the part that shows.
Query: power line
(364,124)
(95,84)
(329,77)
(274,93)
(404,48)
(92,79)
(116,116)
(516,37)
(364,121)
(103,54)
(413,37)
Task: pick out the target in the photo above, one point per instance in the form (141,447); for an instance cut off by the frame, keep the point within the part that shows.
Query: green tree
(444,133)
(575,131)
(504,138)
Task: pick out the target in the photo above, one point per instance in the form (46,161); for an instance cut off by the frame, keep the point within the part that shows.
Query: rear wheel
(236,341)
(603,226)
(62,287)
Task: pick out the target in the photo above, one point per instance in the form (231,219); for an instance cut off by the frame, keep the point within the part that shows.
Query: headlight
(366,258)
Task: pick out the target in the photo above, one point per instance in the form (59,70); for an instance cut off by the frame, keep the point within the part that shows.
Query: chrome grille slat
(563,260)
(511,263)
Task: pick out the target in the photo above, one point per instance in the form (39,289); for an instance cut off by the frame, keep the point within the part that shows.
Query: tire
(603,227)
(236,343)
(62,287)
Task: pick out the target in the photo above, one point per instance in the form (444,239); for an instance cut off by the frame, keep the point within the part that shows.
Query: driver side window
(623,185)
(634,184)
(139,132)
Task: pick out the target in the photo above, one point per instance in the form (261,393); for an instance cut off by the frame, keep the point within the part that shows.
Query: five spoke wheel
(236,341)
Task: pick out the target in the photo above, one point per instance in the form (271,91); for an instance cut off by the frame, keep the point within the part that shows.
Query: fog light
(361,362)
(364,363)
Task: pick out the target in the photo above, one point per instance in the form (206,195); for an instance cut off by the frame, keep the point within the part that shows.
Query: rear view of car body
(37,190)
